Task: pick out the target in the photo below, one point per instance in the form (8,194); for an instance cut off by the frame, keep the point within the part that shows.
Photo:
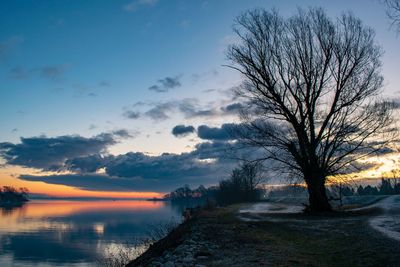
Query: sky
(138,86)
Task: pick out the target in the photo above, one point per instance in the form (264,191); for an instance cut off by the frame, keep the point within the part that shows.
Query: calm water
(75,233)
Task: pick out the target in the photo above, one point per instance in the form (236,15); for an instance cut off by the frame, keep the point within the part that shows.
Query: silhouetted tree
(310,84)
(397,188)
(386,187)
(242,185)
(186,194)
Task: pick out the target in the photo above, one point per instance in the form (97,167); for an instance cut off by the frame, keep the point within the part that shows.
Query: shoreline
(181,247)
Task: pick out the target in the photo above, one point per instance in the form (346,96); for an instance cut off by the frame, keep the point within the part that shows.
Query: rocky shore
(187,245)
(194,251)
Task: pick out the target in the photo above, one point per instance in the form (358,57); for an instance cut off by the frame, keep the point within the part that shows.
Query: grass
(303,240)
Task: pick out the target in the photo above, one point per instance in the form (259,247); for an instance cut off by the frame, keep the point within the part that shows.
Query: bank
(220,237)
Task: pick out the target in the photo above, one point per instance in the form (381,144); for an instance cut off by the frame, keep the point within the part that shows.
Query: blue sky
(81,67)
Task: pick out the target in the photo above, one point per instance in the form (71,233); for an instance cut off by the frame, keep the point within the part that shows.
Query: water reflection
(61,233)
(5,210)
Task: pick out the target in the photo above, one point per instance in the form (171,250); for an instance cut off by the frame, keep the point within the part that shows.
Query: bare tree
(242,185)
(311,85)
(251,175)
(393,12)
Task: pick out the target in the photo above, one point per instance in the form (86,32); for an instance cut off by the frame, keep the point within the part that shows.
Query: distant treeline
(185,192)
(242,186)
(386,187)
(12,196)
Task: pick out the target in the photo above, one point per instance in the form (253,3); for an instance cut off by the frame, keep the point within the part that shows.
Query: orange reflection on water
(62,208)
(28,217)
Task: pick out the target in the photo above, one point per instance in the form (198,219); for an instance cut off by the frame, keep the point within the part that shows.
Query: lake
(75,233)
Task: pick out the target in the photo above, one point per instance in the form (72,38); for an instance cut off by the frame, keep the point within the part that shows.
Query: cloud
(50,153)
(166,84)
(233,108)
(85,157)
(188,107)
(217,150)
(92,182)
(135,171)
(182,130)
(136,4)
(160,111)
(225,132)
(124,133)
(52,72)
(165,166)
(130,114)
(104,83)
(92,126)
(87,164)
(191,108)
(18,73)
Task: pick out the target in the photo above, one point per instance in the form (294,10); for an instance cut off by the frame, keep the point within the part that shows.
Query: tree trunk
(317,195)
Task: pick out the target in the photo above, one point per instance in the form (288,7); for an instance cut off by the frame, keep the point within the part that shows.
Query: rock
(156,264)
(168,264)
(180,249)
(203,253)
(187,259)
(191,242)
